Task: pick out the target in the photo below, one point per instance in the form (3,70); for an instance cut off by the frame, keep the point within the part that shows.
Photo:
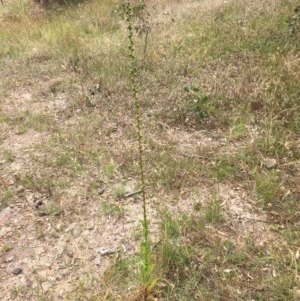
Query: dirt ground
(47,249)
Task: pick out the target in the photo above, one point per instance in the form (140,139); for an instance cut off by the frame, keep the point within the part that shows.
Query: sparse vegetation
(7,247)
(211,87)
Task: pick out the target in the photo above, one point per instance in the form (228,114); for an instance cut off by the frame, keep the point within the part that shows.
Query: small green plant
(9,155)
(199,103)
(43,183)
(109,169)
(119,191)
(267,186)
(112,209)
(7,247)
(69,159)
(120,270)
(227,167)
(213,212)
(53,209)
(238,129)
(41,295)
(175,255)
(29,182)
(7,196)
(16,291)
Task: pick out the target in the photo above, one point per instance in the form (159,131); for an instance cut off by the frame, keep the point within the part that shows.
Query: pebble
(97,261)
(46,286)
(270,162)
(20,189)
(296,294)
(37,204)
(6,211)
(17,271)
(107,252)
(9,259)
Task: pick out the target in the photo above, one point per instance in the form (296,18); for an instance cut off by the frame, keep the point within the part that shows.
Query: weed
(44,183)
(173,172)
(175,259)
(274,145)
(29,120)
(237,129)
(120,271)
(213,211)
(228,167)
(8,155)
(7,197)
(68,159)
(199,103)
(112,209)
(267,186)
(177,254)
(16,291)
(39,230)
(4,118)
(119,191)
(7,247)
(53,209)
(146,266)
(109,169)
(171,226)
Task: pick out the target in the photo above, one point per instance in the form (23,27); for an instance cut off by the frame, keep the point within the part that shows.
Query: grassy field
(218,84)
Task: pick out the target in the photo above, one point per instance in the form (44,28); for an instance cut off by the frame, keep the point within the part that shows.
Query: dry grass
(220,98)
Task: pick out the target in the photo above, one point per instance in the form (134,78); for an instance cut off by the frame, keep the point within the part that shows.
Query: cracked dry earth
(47,249)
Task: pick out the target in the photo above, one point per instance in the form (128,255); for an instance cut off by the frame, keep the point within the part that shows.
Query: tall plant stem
(146,267)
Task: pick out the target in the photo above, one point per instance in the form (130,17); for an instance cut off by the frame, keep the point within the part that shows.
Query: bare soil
(58,240)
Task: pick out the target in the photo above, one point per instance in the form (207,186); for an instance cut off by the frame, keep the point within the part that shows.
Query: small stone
(46,286)
(29,198)
(297,255)
(9,259)
(6,211)
(59,227)
(97,261)
(296,294)
(51,278)
(107,252)
(17,271)
(269,162)
(37,204)
(20,189)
